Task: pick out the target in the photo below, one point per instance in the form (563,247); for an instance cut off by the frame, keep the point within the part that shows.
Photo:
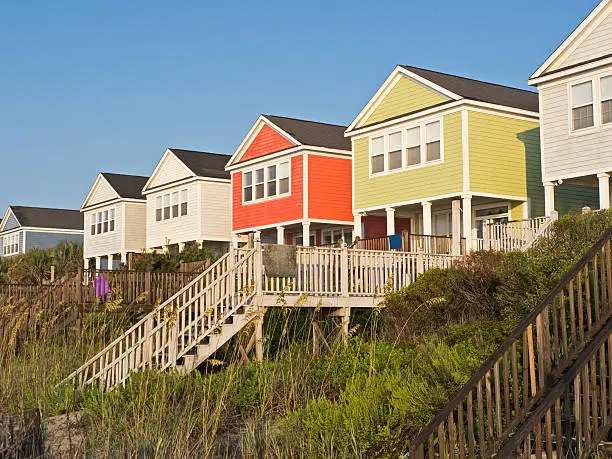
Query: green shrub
(170,262)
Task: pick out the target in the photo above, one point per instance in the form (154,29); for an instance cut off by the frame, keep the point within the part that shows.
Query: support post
(456,227)
(259,354)
(357,232)
(604,190)
(52,274)
(98,263)
(549,198)
(306,234)
(258,268)
(110,262)
(234,240)
(390,220)
(280,235)
(344,326)
(427,223)
(466,202)
(124,258)
(181,246)
(86,264)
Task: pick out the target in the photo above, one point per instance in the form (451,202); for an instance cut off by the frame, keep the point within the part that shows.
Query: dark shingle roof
(204,164)
(42,217)
(127,186)
(480,90)
(313,133)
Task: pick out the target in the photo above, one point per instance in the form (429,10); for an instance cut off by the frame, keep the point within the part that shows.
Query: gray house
(23,228)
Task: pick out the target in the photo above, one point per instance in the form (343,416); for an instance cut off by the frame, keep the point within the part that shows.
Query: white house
(115,220)
(188,201)
(575,86)
(23,228)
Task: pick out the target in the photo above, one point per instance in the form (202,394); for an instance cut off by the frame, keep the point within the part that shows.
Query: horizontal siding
(405,97)
(568,155)
(103,192)
(570,199)
(216,211)
(171,170)
(11,222)
(274,211)
(106,243)
(267,141)
(597,44)
(424,182)
(135,228)
(329,188)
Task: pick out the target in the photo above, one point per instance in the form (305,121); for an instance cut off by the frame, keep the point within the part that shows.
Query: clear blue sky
(107,86)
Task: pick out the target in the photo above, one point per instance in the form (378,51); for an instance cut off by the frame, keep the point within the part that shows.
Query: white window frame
(10,244)
(101,217)
(602,100)
(265,167)
(594,99)
(174,197)
(421,124)
(597,105)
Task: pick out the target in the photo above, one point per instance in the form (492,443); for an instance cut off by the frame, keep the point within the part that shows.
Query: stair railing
(576,413)
(497,397)
(153,340)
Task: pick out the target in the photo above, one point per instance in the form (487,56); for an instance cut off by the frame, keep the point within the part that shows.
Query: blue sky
(107,86)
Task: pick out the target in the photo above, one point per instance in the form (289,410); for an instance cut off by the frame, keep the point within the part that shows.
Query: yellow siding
(505,158)
(413,184)
(405,97)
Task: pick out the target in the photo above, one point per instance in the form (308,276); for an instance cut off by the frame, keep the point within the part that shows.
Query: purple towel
(101,288)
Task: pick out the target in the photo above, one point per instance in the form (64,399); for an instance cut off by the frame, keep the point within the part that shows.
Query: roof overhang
(5,218)
(96,183)
(158,167)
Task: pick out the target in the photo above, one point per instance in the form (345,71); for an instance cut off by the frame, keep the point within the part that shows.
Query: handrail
(544,409)
(524,329)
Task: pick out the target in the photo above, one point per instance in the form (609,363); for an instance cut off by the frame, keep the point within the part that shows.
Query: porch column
(257,236)
(234,240)
(280,235)
(98,262)
(124,258)
(467,221)
(110,260)
(86,264)
(456,226)
(357,226)
(427,226)
(181,246)
(306,234)
(390,220)
(549,198)
(604,190)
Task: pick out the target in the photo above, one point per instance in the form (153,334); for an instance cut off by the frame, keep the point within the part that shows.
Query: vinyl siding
(170,170)
(135,226)
(47,240)
(103,192)
(578,154)
(415,184)
(571,199)
(215,211)
(105,243)
(405,97)
(267,141)
(505,158)
(11,222)
(597,44)
(329,188)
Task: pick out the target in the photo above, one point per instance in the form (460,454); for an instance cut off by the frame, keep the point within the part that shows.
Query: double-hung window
(166,206)
(432,134)
(378,154)
(582,106)
(266,182)
(184,200)
(395,150)
(413,146)
(111,220)
(606,99)
(99,223)
(175,204)
(102,222)
(171,205)
(93,224)
(158,209)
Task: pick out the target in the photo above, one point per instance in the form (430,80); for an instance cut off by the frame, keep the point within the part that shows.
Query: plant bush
(170,262)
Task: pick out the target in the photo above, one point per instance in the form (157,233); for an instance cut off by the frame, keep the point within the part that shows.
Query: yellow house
(439,154)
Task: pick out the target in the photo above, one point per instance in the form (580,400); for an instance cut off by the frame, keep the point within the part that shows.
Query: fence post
(486,235)
(79,299)
(344,271)
(148,288)
(52,274)
(259,268)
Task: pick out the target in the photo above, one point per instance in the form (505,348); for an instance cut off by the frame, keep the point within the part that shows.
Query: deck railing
(515,234)
(344,271)
(498,396)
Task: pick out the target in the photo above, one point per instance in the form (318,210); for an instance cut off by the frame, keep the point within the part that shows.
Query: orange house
(291,182)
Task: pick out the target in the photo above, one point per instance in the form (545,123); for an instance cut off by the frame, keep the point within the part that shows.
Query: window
(10,244)
(413,146)
(432,133)
(582,106)
(378,155)
(442,224)
(184,200)
(606,99)
(334,236)
(266,182)
(158,209)
(102,222)
(171,205)
(395,150)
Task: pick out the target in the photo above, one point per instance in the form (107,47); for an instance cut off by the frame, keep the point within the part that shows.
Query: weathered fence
(21,436)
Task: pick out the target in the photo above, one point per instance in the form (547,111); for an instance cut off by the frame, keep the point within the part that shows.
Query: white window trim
(8,242)
(597,101)
(265,166)
(169,192)
(404,130)
(102,232)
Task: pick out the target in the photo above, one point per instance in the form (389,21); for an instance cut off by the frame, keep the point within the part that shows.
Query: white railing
(342,271)
(180,323)
(516,234)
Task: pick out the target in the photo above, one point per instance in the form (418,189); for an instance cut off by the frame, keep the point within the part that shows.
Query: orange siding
(329,188)
(273,211)
(267,141)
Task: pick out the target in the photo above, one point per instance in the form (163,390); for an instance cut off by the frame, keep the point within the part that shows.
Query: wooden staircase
(184,330)
(547,387)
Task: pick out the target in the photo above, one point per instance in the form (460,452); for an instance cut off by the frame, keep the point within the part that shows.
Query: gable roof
(43,217)
(578,34)
(203,164)
(454,88)
(126,186)
(482,91)
(313,133)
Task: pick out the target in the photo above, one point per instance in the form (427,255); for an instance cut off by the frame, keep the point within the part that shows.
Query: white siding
(170,170)
(174,230)
(568,154)
(100,245)
(135,229)
(102,192)
(598,43)
(215,203)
